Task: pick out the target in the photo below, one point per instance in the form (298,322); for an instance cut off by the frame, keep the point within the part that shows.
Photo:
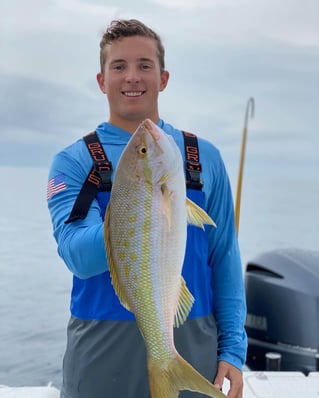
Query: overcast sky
(218,52)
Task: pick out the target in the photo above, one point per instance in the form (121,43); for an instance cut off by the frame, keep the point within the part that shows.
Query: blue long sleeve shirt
(81,243)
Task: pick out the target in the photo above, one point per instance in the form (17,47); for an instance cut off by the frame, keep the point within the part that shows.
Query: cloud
(47,109)
(192,5)
(218,54)
(39,117)
(242,21)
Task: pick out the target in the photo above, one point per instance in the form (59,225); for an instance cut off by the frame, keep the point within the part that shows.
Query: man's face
(132,80)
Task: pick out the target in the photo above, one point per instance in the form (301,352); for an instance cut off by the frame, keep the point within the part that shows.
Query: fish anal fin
(166,380)
(185,304)
(120,292)
(196,215)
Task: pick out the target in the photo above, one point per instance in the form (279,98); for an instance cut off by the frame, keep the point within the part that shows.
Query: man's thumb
(219,380)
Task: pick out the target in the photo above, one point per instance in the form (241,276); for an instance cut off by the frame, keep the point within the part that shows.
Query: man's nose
(132,75)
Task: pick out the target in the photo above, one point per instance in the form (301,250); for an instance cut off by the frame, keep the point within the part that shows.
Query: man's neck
(130,125)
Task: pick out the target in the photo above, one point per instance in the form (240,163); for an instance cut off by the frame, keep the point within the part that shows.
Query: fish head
(151,156)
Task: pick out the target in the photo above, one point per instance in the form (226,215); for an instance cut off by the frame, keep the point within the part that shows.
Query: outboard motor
(282,292)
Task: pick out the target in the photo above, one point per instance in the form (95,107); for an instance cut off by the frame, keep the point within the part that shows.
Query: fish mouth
(133,94)
(149,127)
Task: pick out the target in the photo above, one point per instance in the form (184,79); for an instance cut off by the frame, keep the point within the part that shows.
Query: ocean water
(34,284)
(279,209)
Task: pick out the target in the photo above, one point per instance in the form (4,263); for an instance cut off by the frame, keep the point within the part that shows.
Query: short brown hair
(125,28)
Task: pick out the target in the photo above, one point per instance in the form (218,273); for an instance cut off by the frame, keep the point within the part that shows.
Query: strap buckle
(104,171)
(193,170)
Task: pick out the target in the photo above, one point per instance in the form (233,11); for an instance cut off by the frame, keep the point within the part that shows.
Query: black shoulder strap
(98,179)
(193,167)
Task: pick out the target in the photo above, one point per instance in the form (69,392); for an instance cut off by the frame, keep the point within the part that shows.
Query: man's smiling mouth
(133,93)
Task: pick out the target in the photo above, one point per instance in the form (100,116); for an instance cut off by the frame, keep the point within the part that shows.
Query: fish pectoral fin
(185,304)
(112,268)
(166,204)
(163,179)
(178,375)
(196,215)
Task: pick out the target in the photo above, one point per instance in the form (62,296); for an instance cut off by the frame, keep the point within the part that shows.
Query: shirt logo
(55,185)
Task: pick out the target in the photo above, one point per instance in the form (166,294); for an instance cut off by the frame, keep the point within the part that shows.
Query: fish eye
(142,150)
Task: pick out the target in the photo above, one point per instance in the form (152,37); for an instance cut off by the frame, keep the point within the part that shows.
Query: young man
(105,354)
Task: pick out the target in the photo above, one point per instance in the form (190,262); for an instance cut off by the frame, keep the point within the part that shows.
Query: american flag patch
(55,185)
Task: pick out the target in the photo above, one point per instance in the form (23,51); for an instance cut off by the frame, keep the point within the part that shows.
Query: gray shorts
(107,359)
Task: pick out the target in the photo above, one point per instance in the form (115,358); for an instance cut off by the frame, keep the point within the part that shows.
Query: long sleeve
(224,257)
(80,243)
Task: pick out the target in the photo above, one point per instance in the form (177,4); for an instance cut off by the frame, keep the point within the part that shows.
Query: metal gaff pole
(250,104)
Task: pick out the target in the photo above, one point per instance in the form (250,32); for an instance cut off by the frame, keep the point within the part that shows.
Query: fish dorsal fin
(196,215)
(185,304)
(112,268)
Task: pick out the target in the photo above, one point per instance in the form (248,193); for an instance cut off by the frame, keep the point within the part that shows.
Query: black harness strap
(98,179)
(193,167)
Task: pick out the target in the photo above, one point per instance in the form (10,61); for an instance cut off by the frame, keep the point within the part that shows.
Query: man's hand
(235,377)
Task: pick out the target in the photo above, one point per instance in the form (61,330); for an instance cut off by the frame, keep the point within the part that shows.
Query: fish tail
(167,381)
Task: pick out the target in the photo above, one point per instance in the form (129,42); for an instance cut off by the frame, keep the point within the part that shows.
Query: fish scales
(145,240)
(136,236)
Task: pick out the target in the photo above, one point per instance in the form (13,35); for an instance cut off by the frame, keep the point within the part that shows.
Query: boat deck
(256,385)
(280,385)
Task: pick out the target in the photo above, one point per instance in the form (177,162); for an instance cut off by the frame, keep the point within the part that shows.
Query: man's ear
(100,80)
(164,80)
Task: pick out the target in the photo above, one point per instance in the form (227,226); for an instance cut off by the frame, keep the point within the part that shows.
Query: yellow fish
(145,237)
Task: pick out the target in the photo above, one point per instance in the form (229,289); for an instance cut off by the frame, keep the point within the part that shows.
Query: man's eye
(146,66)
(118,67)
